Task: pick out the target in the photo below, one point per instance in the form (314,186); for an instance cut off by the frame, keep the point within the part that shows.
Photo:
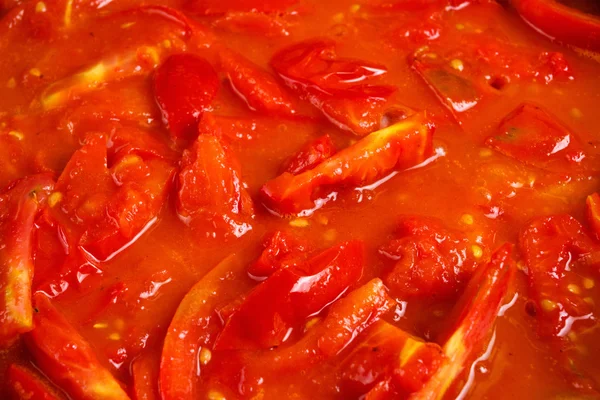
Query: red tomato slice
(184,87)
(144,370)
(195,326)
(476,315)
(533,136)
(389,354)
(66,358)
(257,88)
(19,206)
(312,154)
(280,250)
(558,21)
(25,383)
(400,146)
(431,260)
(211,196)
(284,301)
(592,203)
(212,7)
(338,87)
(555,250)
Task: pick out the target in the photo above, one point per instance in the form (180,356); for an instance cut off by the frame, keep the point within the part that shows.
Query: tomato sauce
(373,199)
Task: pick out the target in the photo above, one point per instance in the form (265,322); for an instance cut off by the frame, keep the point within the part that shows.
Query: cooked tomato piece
(211,196)
(194,327)
(431,260)
(561,22)
(555,250)
(257,88)
(338,87)
(308,157)
(259,24)
(109,207)
(476,314)
(184,87)
(280,249)
(592,203)
(19,206)
(212,7)
(66,358)
(284,301)
(533,136)
(144,370)
(400,146)
(24,383)
(387,353)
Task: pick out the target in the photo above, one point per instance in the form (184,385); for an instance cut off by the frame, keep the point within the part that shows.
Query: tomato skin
(211,196)
(397,147)
(144,370)
(184,87)
(216,7)
(592,203)
(19,206)
(66,358)
(280,249)
(561,22)
(432,260)
(309,156)
(25,384)
(289,296)
(257,88)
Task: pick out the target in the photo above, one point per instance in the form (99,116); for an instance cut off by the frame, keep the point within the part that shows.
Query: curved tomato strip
(215,7)
(592,203)
(184,87)
(308,157)
(19,206)
(560,22)
(476,312)
(400,146)
(284,301)
(27,384)
(66,358)
(194,328)
(144,371)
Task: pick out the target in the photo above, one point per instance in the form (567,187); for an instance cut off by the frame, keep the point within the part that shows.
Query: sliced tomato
(66,358)
(24,383)
(592,203)
(280,249)
(215,7)
(308,157)
(284,301)
(338,87)
(554,248)
(561,22)
(400,146)
(475,317)
(533,136)
(195,326)
(144,370)
(211,196)
(19,206)
(431,260)
(388,354)
(257,88)
(184,87)
(259,24)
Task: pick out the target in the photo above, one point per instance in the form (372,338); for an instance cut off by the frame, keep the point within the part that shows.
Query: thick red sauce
(421,173)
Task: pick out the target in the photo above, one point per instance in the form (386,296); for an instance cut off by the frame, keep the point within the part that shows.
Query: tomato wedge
(592,203)
(24,383)
(399,146)
(476,315)
(284,301)
(280,250)
(66,358)
(144,371)
(561,22)
(19,206)
(309,156)
(184,87)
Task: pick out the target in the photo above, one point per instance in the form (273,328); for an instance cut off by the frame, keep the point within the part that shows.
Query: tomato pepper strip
(399,146)
(592,203)
(66,358)
(560,22)
(309,156)
(26,384)
(194,327)
(19,206)
(144,371)
(477,313)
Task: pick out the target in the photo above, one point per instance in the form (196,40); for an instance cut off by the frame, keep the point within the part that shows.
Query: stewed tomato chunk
(66,358)
(280,249)
(215,7)
(430,259)
(592,203)
(283,301)
(399,146)
(19,206)
(211,196)
(308,157)
(25,383)
(339,87)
